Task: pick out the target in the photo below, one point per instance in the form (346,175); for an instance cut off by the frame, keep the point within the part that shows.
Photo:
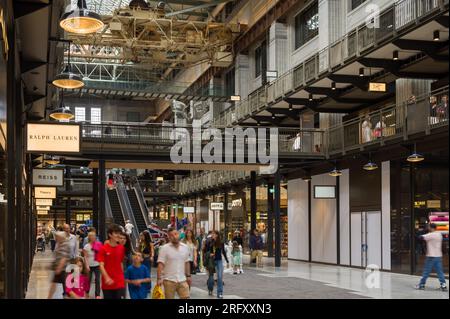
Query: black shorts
(114,294)
(59,278)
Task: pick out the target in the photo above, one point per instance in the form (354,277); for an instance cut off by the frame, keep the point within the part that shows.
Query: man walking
(73,242)
(174,268)
(128,227)
(434,258)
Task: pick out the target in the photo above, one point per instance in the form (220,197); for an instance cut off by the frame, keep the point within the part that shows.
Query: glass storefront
(419,196)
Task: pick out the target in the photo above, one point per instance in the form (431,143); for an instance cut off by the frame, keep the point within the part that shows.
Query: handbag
(158,293)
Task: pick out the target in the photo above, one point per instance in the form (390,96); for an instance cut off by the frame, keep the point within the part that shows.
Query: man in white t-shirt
(434,258)
(128,227)
(174,268)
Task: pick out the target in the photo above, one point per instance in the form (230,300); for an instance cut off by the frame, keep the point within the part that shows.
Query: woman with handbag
(214,253)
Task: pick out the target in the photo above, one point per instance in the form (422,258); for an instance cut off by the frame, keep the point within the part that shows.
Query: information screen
(324,191)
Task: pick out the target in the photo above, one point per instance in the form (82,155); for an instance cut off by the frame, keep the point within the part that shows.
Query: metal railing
(420,114)
(396,18)
(140,196)
(166,186)
(211,179)
(125,206)
(76,185)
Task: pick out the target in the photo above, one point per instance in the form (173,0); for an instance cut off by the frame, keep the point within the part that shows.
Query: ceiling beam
(394,68)
(429,47)
(22,8)
(289,113)
(361,82)
(443,21)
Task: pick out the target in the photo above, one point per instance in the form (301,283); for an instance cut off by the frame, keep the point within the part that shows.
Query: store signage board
(44,202)
(42,207)
(230,206)
(42,212)
(53,138)
(434,203)
(237,203)
(48,177)
(188,210)
(377,87)
(217,206)
(44,192)
(324,192)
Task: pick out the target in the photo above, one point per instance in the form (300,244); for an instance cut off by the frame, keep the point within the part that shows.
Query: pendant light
(395,55)
(290,107)
(311,97)
(62,113)
(67,79)
(81,20)
(370,166)
(436,35)
(415,157)
(333,86)
(361,72)
(335,172)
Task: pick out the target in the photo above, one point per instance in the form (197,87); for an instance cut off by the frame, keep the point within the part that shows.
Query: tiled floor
(292,280)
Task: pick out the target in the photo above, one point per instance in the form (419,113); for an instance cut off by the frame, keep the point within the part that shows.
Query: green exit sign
(174,206)
(272,190)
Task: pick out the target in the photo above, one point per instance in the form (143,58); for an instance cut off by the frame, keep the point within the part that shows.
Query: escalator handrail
(127,211)
(109,213)
(141,200)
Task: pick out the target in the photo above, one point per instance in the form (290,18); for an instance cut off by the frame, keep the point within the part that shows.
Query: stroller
(41,244)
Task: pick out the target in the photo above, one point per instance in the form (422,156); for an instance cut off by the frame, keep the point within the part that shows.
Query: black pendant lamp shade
(68,80)
(415,157)
(62,113)
(81,20)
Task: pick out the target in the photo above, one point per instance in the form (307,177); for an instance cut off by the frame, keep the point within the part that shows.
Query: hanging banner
(53,138)
(48,177)
(45,192)
(44,202)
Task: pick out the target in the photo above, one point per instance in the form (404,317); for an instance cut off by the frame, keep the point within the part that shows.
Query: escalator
(137,211)
(115,207)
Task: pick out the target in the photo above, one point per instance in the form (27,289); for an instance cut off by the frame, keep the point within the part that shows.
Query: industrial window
(356,3)
(96,115)
(133,117)
(80,114)
(260,59)
(306,25)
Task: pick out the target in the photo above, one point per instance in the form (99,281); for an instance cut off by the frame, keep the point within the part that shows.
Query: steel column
(253,200)
(270,220)
(102,199)
(95,199)
(277,213)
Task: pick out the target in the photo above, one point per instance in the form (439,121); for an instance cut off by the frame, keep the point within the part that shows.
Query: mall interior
(98,98)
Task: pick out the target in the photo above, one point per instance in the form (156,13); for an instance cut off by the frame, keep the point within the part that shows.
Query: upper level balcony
(406,27)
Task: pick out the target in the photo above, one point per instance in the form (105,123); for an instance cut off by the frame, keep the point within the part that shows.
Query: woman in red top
(111,257)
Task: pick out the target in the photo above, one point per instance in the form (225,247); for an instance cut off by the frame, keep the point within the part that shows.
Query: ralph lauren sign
(48,177)
(54,138)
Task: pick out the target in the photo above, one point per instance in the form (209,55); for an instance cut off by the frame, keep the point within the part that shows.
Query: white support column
(278,48)
(242,75)
(386,214)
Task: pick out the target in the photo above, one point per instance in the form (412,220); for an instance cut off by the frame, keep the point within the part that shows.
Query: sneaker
(210,292)
(235,273)
(220,296)
(420,287)
(444,287)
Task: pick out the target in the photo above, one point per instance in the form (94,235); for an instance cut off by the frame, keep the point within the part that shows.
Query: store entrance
(366,239)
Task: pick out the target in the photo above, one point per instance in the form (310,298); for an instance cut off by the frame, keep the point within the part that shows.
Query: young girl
(236,252)
(78,288)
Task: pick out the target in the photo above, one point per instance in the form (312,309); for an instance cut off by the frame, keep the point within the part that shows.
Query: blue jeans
(430,263)
(219,271)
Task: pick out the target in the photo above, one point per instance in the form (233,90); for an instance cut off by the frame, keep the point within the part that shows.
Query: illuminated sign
(188,210)
(44,202)
(235,98)
(42,207)
(236,203)
(419,204)
(48,177)
(216,206)
(42,212)
(377,87)
(45,192)
(4,35)
(54,138)
(435,203)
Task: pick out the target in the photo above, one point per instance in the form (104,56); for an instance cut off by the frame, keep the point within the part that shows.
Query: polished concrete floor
(293,279)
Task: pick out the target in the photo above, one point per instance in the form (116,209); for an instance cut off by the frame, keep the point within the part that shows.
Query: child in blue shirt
(137,276)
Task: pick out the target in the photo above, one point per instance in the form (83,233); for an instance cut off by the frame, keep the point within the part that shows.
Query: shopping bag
(158,293)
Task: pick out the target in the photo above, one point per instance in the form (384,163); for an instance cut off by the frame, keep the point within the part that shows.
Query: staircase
(137,212)
(115,207)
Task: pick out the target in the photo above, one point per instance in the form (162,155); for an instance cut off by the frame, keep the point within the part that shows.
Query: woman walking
(190,241)
(214,252)
(146,248)
(90,251)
